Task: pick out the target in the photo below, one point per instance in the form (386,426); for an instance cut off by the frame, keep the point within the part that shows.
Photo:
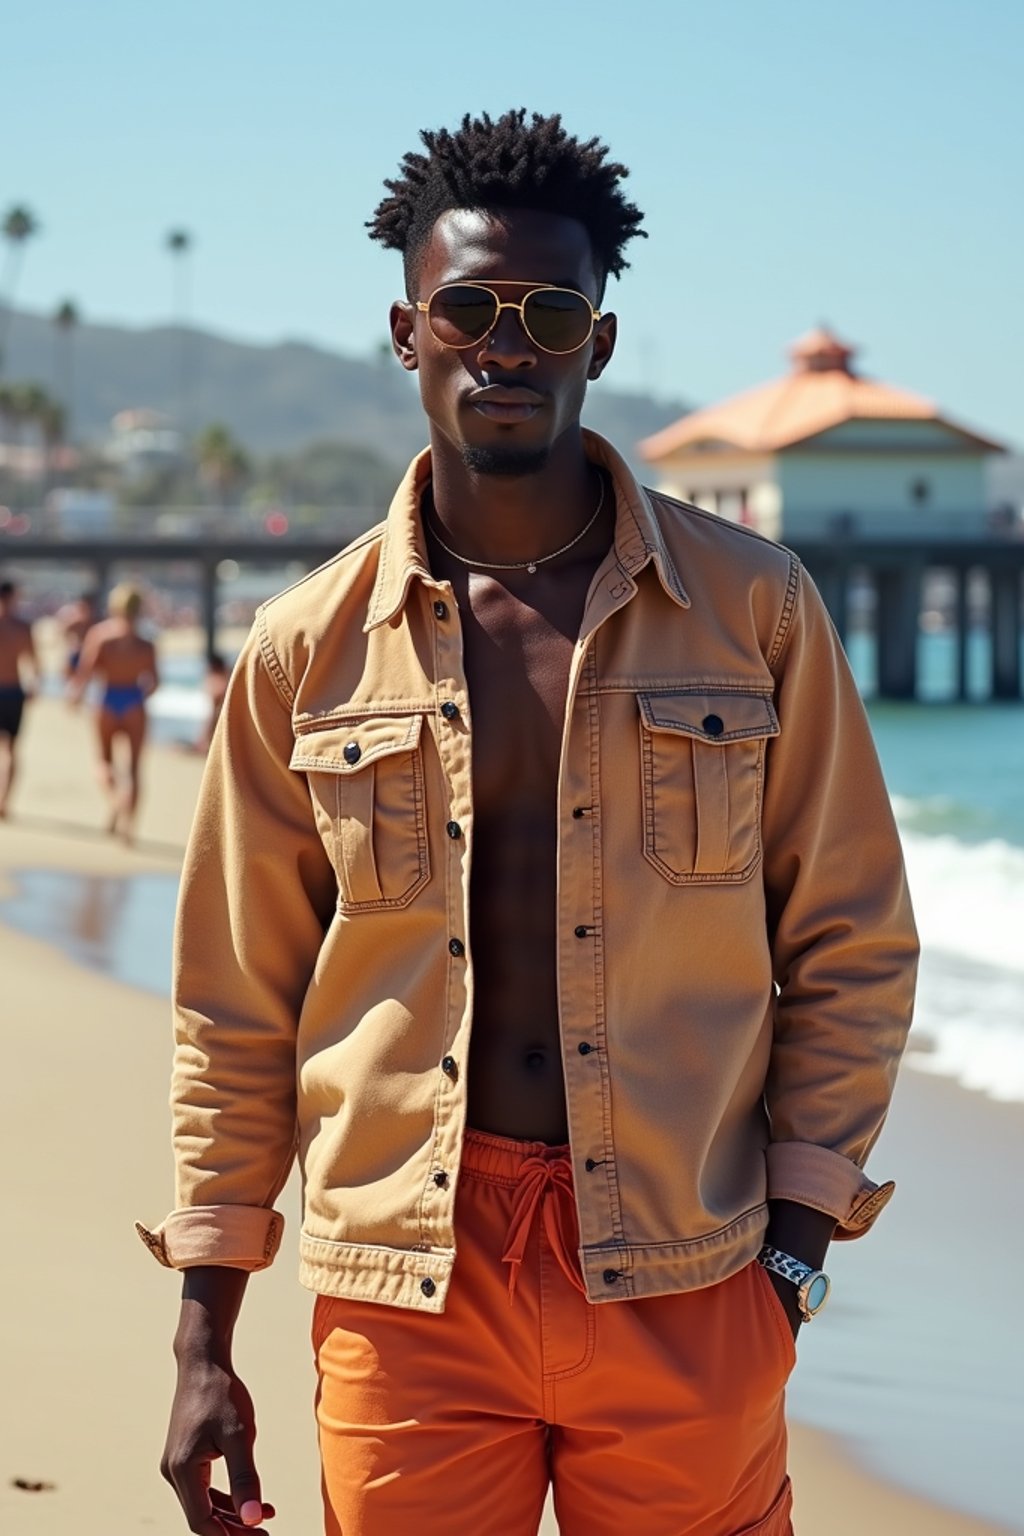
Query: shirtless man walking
(19,677)
(125,663)
(544,897)
(75,620)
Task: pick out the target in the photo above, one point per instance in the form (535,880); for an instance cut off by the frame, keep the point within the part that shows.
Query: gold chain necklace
(523,565)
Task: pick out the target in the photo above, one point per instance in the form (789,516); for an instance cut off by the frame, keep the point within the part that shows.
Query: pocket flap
(714,718)
(351,745)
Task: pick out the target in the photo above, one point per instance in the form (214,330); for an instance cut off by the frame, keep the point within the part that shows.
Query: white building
(142,440)
(822,451)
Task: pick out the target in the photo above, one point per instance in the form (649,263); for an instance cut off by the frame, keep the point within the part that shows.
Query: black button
(450,710)
(584,1048)
(428,1287)
(440,610)
(577,812)
(590,1165)
(611,1276)
(580,931)
(450,1067)
(456,948)
(441,1179)
(713,724)
(453,829)
(352,752)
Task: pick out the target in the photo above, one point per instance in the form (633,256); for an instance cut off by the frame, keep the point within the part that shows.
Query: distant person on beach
(124,662)
(544,898)
(19,678)
(215,686)
(75,619)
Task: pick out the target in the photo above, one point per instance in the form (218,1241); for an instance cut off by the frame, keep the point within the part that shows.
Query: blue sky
(798,162)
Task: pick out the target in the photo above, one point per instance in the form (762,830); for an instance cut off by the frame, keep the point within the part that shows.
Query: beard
(504,461)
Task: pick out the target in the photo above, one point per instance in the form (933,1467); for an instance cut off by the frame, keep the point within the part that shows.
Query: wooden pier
(896,570)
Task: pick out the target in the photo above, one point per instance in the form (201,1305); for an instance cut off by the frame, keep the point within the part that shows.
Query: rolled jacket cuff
(826,1181)
(235,1236)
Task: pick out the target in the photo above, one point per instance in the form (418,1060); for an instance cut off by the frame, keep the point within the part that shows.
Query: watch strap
(784,1264)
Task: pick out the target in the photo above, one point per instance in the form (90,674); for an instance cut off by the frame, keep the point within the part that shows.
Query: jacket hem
(618,1271)
(393,1277)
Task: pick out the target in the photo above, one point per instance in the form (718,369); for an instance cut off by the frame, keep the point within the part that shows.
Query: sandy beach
(88,1319)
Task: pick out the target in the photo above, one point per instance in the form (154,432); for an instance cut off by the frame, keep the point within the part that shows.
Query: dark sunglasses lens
(557,319)
(461,314)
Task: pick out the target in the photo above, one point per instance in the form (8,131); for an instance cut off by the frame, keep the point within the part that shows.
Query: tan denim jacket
(735,948)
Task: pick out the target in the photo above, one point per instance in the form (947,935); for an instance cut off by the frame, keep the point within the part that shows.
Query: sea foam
(969,903)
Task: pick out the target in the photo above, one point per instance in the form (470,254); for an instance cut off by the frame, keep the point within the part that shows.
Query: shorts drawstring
(546,1182)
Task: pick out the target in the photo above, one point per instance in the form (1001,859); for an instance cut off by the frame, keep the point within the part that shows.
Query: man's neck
(513,517)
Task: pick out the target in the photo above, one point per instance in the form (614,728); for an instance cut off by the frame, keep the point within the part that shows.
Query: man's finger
(191,1482)
(244,1481)
(223,1505)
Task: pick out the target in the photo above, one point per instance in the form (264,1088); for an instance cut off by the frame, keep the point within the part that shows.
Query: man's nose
(507,344)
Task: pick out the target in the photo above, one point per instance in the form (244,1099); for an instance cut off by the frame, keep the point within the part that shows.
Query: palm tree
(179,243)
(7,411)
(19,225)
(25,406)
(223,462)
(65,319)
(51,420)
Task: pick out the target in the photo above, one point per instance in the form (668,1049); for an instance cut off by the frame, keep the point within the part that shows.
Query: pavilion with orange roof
(824,450)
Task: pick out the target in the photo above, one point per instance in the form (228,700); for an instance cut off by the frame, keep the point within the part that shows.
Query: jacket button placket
(454,751)
(579,958)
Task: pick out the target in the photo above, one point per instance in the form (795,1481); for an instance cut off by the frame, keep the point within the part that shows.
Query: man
(545,896)
(19,677)
(75,619)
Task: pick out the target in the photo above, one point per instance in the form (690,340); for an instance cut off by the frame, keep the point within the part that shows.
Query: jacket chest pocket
(366,783)
(702,763)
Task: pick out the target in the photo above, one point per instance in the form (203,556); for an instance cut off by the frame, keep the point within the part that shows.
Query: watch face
(817,1291)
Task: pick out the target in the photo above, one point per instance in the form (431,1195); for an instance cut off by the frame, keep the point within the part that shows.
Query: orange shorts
(653,1417)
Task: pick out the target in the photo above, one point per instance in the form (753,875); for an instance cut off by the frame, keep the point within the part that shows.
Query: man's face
(503,402)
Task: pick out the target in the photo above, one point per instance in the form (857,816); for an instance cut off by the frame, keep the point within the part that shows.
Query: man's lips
(499,402)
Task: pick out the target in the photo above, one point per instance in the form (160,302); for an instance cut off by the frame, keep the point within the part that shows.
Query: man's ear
(603,345)
(403,333)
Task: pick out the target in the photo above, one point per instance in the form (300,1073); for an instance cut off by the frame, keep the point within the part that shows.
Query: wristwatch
(812,1285)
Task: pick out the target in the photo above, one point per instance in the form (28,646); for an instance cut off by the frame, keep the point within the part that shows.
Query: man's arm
(843,943)
(83,674)
(257,892)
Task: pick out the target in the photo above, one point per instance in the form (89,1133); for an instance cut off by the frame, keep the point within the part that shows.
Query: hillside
(274,398)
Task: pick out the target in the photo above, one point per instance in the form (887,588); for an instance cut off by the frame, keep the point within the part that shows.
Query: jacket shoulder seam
(272,662)
(785,625)
(738,530)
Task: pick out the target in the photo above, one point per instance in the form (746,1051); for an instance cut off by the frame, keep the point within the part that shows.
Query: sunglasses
(555,319)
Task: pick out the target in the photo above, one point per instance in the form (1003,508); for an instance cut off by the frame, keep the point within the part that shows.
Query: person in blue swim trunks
(75,619)
(19,675)
(124,662)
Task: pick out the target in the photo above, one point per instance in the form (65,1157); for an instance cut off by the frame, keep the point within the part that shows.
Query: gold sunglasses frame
(423,305)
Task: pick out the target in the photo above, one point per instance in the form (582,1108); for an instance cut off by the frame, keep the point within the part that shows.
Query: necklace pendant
(532,569)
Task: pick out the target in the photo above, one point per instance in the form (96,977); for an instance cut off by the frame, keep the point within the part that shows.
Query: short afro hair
(509,163)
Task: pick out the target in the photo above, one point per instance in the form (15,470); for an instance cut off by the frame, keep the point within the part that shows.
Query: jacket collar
(638,537)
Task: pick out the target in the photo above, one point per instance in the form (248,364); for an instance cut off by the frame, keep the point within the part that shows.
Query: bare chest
(518,649)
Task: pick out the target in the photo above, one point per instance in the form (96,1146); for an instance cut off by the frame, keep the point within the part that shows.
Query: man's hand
(804,1234)
(785,1290)
(212,1416)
